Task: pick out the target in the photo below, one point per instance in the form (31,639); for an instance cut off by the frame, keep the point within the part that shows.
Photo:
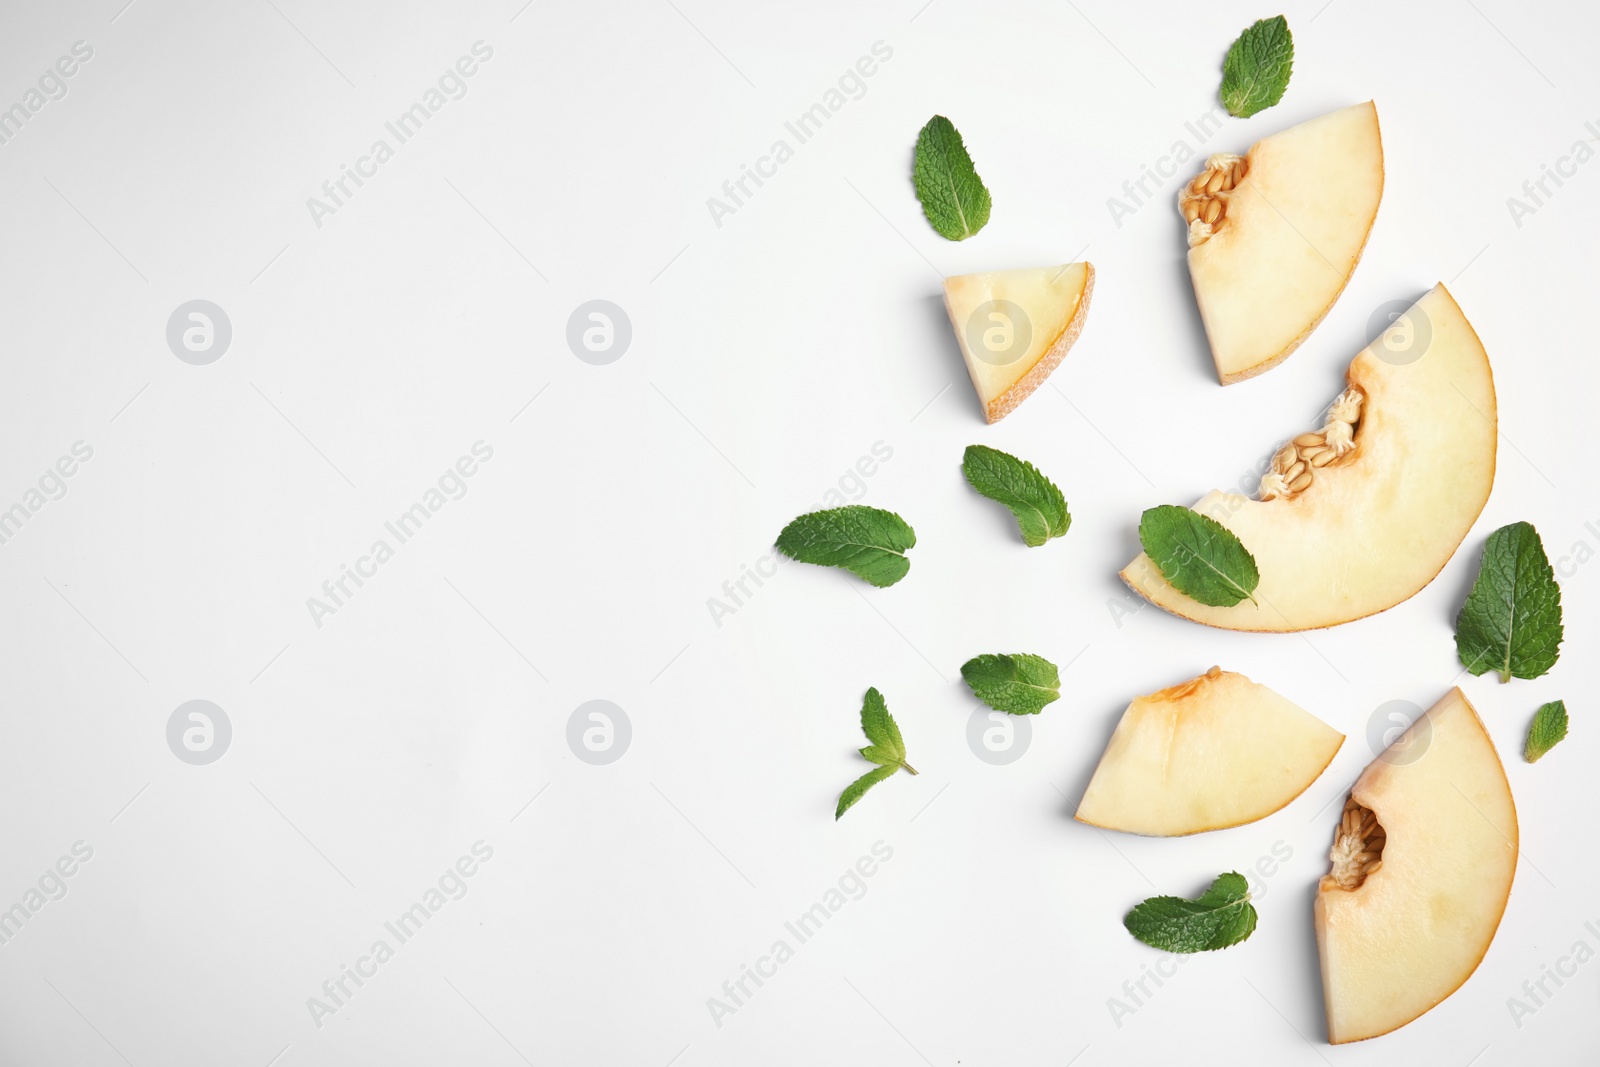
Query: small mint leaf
(1548,729)
(868,542)
(953,196)
(1035,500)
(1019,683)
(1256,72)
(1198,556)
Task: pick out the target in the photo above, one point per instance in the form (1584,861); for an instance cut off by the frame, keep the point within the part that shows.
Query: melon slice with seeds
(1423,860)
(1359,515)
(1275,234)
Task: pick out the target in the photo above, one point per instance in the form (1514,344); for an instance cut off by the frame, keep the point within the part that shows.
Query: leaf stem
(908,766)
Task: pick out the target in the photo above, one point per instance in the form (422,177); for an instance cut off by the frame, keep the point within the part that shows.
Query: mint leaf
(1198,556)
(858,789)
(868,542)
(1019,684)
(953,196)
(1511,622)
(1220,917)
(1549,728)
(888,750)
(881,730)
(1257,69)
(1040,508)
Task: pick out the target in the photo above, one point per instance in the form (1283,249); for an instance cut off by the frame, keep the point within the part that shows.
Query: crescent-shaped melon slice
(1360,515)
(1423,861)
(1274,235)
(1217,751)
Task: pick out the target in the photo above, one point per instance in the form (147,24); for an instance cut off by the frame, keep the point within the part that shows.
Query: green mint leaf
(1257,69)
(1040,508)
(1511,622)
(1199,556)
(880,727)
(858,788)
(953,196)
(1220,917)
(1548,729)
(888,750)
(1019,684)
(867,542)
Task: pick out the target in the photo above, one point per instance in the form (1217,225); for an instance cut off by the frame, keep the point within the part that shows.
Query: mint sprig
(1017,683)
(1219,917)
(953,196)
(1256,72)
(887,750)
(1548,729)
(1198,556)
(1035,500)
(868,542)
(1511,622)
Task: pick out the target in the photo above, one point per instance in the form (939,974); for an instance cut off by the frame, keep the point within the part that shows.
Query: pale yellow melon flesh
(1015,326)
(1377,525)
(1417,927)
(1216,751)
(1291,235)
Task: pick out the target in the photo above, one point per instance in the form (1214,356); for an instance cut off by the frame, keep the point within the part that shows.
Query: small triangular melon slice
(1275,235)
(1423,861)
(1217,751)
(1014,327)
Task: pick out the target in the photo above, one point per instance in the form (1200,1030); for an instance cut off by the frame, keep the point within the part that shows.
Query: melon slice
(1423,861)
(1275,234)
(1014,327)
(1216,751)
(1358,516)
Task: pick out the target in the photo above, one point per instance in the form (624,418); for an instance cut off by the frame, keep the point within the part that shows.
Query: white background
(769,353)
